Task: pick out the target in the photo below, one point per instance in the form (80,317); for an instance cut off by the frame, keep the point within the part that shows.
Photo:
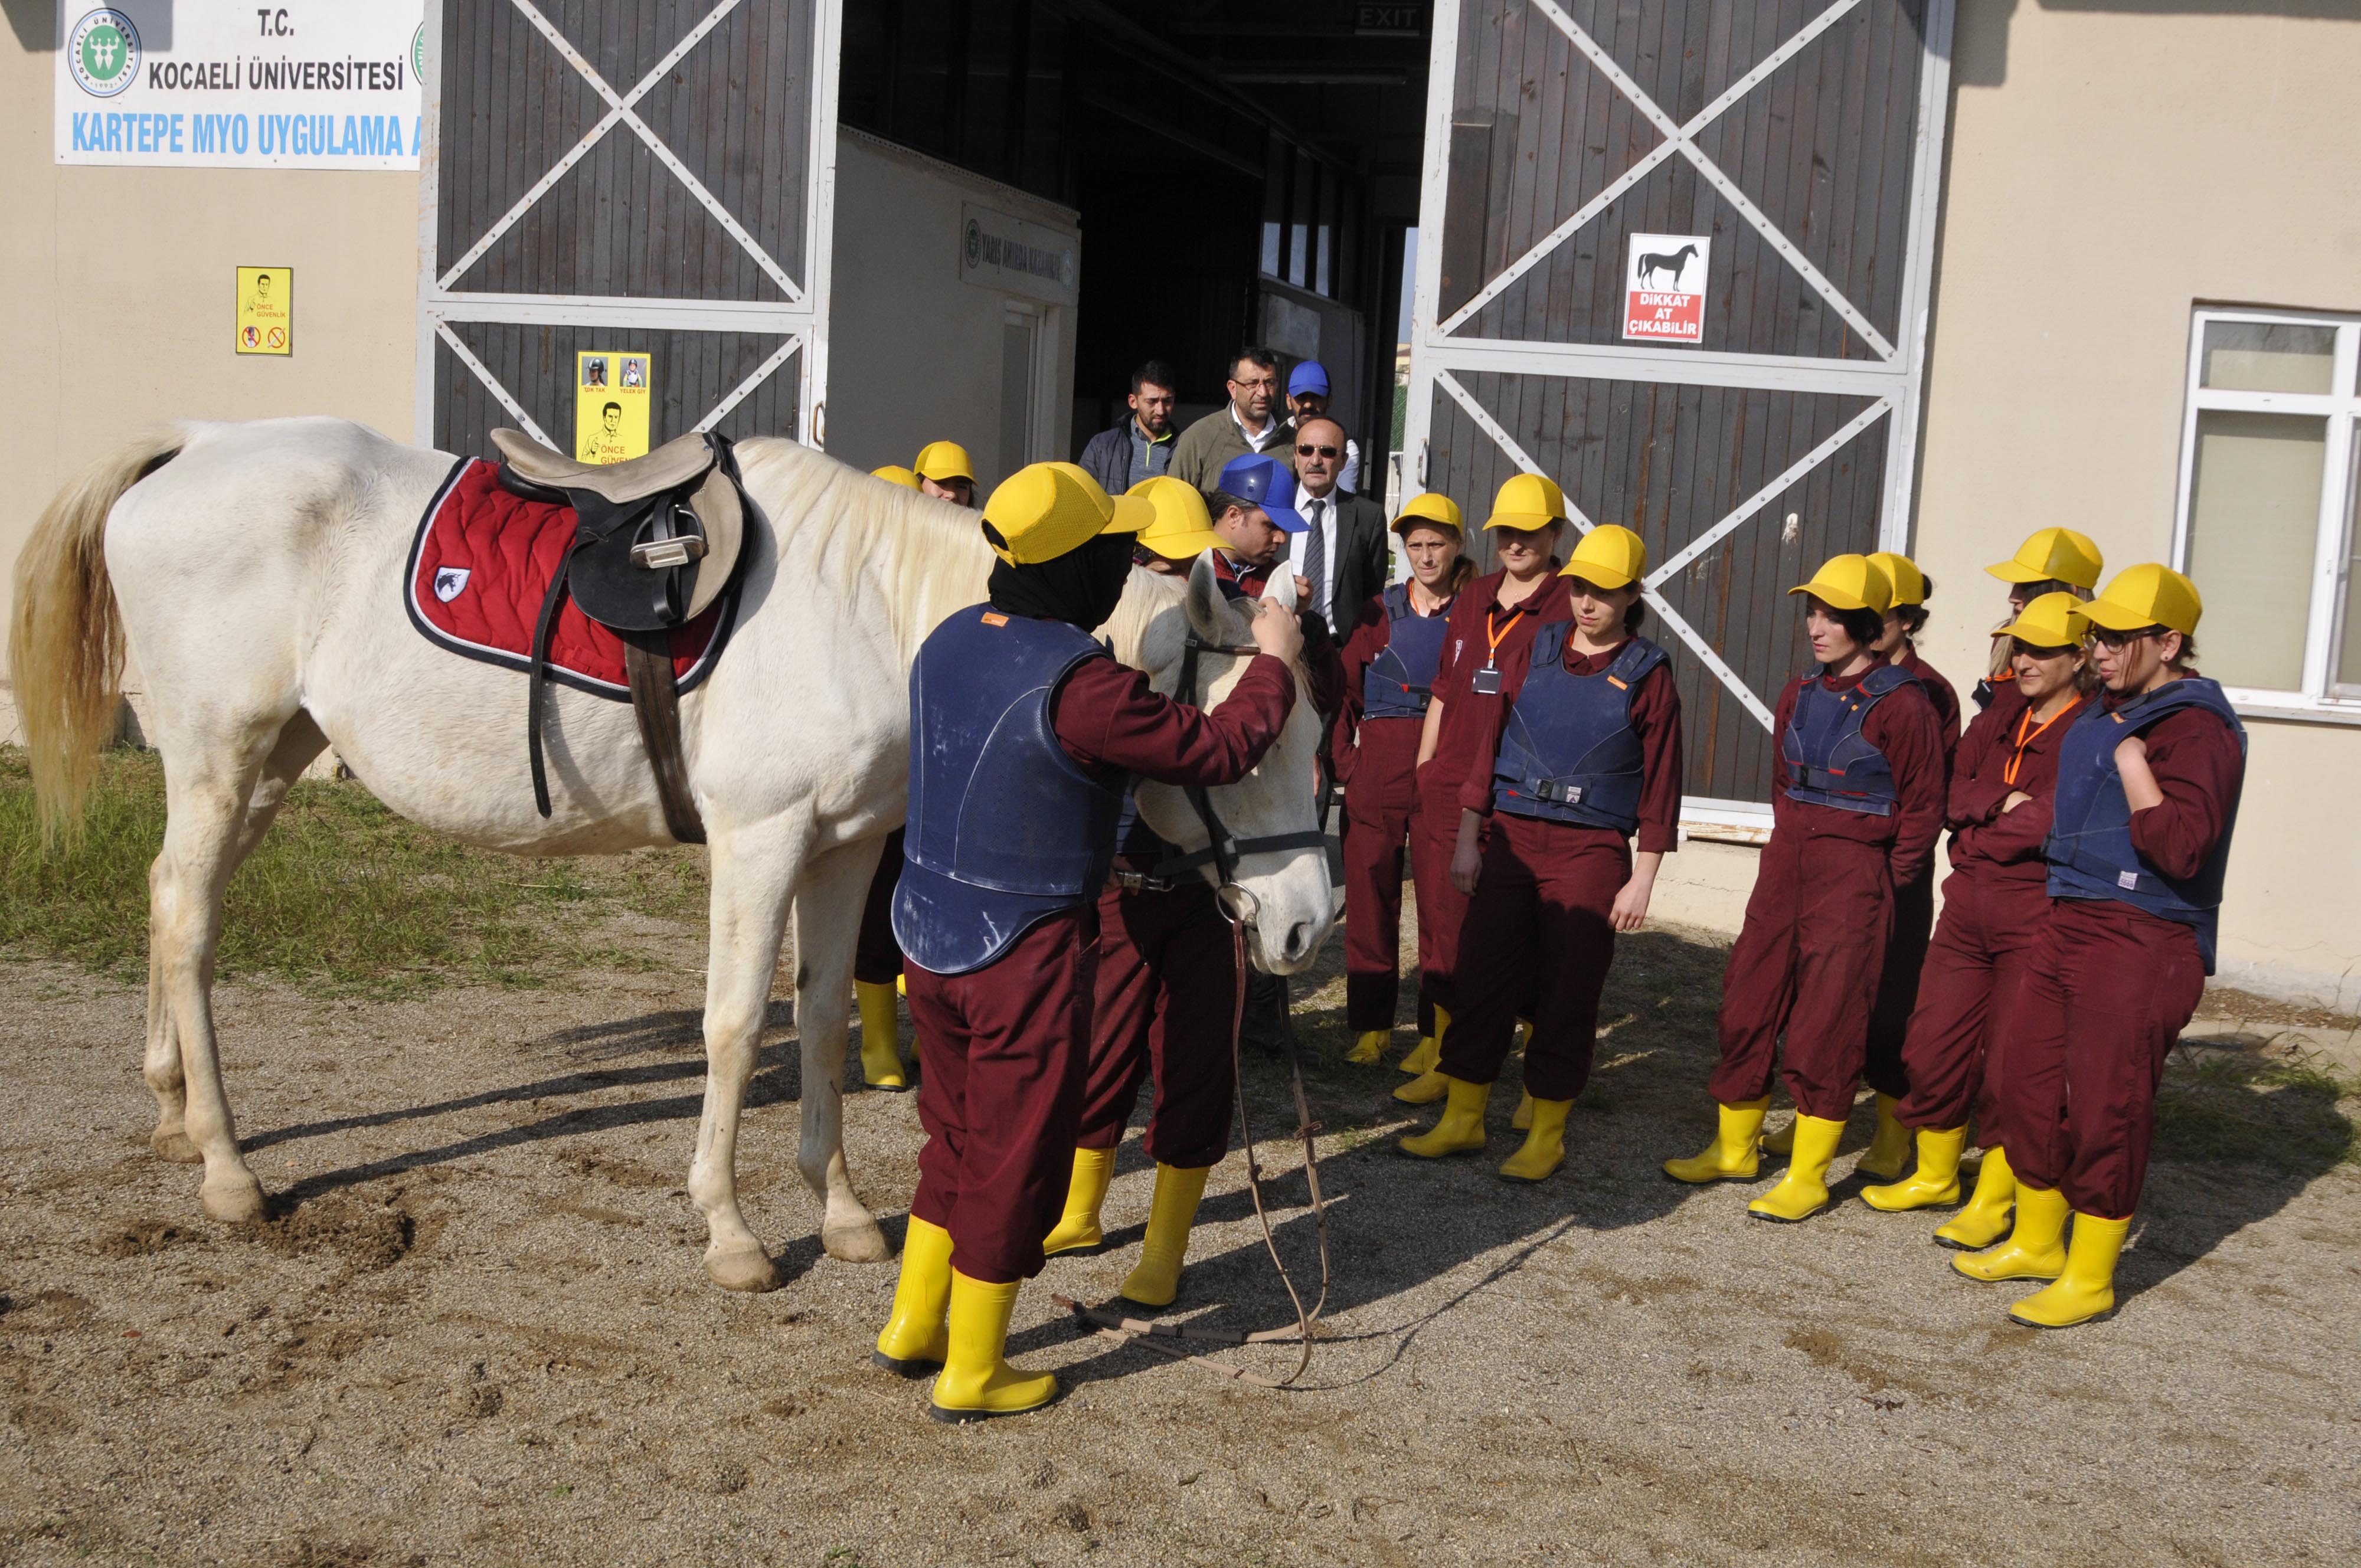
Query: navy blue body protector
(1568,753)
(1400,682)
(1831,763)
(2090,847)
(1006,830)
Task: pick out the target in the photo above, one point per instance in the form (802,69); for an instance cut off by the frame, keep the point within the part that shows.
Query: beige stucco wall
(116,292)
(2111,167)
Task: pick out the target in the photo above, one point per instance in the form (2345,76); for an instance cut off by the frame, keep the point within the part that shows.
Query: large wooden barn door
(1802,139)
(647,175)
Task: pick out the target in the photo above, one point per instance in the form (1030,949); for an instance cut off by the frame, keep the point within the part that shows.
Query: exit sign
(1390,21)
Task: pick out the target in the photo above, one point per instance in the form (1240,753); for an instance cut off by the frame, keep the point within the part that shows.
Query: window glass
(2269,357)
(2254,519)
(2348,675)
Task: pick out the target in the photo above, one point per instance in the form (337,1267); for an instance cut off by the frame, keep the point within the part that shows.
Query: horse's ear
(1280,590)
(1207,608)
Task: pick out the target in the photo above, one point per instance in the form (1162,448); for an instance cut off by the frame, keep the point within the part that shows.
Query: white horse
(255,573)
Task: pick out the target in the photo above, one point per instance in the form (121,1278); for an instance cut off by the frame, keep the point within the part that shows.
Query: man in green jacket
(1248,424)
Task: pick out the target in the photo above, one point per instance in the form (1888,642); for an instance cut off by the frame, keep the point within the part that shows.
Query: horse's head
(1282,894)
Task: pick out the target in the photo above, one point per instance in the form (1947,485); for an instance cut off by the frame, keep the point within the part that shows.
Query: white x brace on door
(1802,139)
(648,176)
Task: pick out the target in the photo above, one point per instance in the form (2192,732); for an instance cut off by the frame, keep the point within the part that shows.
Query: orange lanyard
(2008,775)
(1493,639)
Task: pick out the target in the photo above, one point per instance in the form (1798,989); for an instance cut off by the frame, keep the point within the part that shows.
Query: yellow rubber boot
(1985,1219)
(916,1338)
(1936,1179)
(1731,1156)
(1889,1147)
(2087,1288)
(1804,1190)
(1544,1147)
(1170,1213)
(1371,1049)
(1086,1192)
(1430,1047)
(2034,1250)
(976,1381)
(1425,1089)
(1523,1119)
(1461,1127)
(880,1038)
(1781,1141)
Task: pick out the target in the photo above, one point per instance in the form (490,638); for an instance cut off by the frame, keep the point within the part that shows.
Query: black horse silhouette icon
(1677,262)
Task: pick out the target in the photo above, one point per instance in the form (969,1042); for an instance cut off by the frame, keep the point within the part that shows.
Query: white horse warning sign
(1663,288)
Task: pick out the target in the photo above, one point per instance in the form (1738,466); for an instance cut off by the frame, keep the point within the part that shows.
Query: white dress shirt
(1321,514)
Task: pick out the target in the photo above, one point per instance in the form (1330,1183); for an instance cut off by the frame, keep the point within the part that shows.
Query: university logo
(104,51)
(449,582)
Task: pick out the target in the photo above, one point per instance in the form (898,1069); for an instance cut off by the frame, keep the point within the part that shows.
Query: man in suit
(1341,553)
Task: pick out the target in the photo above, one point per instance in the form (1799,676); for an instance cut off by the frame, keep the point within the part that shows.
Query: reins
(1222,852)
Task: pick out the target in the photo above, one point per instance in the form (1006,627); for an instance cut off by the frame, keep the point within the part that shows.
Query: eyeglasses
(1308,450)
(2111,638)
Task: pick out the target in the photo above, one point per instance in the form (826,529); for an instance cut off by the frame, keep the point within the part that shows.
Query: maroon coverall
(2110,988)
(1806,961)
(1914,914)
(1167,993)
(1007,1048)
(1994,906)
(877,958)
(1466,730)
(1540,921)
(1378,760)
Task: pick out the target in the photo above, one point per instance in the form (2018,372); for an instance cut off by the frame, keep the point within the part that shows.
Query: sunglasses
(1307,451)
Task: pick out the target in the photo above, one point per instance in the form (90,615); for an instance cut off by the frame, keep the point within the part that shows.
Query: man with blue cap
(1307,397)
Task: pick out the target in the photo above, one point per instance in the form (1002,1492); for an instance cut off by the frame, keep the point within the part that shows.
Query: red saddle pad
(480,566)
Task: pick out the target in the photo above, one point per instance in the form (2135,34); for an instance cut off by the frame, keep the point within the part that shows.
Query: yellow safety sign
(266,310)
(610,405)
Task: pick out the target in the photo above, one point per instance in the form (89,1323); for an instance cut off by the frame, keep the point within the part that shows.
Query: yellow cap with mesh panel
(2150,595)
(895,473)
(1610,556)
(2053,555)
(1909,582)
(1526,502)
(1850,582)
(1044,510)
(1183,530)
(1434,508)
(943,460)
(2053,621)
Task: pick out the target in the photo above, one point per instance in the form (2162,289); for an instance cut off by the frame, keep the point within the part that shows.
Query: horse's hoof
(233,1202)
(857,1243)
(748,1268)
(175,1146)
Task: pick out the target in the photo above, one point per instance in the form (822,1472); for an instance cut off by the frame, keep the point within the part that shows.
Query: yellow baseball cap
(1431,508)
(1909,582)
(2053,621)
(1526,502)
(1044,510)
(1850,582)
(2053,555)
(895,473)
(1610,556)
(1183,530)
(2146,596)
(940,460)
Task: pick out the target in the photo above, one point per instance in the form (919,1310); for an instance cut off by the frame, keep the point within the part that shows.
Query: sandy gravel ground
(476,1331)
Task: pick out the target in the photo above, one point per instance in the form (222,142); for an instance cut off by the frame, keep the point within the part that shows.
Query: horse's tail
(65,643)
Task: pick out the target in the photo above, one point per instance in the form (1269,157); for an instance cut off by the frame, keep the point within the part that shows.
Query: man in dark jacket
(1141,446)
(1342,552)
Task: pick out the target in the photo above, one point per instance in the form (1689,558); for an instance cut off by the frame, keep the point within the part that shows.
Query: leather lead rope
(1146,1332)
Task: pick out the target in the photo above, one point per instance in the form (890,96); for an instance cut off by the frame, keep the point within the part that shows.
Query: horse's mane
(1145,597)
(923,557)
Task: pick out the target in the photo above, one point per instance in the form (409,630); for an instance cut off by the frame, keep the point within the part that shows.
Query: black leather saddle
(655,540)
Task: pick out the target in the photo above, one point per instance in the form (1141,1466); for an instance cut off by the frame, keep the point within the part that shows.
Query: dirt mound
(368,1236)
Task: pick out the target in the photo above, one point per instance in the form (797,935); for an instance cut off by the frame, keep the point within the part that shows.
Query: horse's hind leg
(827,927)
(298,741)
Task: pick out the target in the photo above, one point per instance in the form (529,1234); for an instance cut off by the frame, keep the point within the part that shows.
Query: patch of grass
(2224,1107)
(343,896)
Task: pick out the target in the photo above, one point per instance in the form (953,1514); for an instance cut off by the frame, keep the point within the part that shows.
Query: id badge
(1485,682)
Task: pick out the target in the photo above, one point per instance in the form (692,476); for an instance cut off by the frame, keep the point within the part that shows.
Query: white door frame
(801,319)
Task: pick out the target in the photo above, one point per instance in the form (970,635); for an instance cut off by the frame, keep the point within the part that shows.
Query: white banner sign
(230,84)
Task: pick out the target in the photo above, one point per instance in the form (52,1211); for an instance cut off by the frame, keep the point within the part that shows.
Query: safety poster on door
(1663,288)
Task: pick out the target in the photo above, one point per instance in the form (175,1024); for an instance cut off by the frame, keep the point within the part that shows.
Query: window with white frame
(2268,496)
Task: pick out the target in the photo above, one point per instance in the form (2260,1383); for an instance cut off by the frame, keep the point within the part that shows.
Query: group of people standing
(1518,739)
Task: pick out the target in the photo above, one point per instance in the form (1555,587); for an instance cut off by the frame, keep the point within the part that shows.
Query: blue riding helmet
(1268,483)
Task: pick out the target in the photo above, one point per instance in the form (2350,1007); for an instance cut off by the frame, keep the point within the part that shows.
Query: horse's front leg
(754,874)
(827,927)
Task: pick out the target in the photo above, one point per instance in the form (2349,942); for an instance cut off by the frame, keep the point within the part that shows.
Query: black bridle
(1222,850)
